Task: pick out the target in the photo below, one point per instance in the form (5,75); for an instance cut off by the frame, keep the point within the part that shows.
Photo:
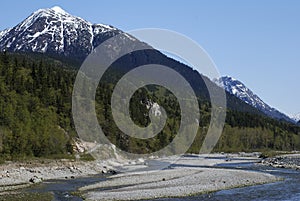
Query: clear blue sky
(255,41)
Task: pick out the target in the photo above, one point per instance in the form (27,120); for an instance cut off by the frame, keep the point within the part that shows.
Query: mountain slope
(296,117)
(238,89)
(54,31)
(36,115)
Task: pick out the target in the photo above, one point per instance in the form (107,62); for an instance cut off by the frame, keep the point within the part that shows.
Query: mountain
(238,89)
(55,32)
(58,34)
(295,117)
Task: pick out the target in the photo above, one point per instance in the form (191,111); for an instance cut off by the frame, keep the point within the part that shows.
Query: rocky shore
(284,161)
(16,175)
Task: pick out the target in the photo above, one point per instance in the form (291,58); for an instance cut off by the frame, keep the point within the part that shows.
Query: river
(288,189)
(62,188)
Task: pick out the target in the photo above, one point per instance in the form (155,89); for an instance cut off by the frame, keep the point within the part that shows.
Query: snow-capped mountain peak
(55,31)
(295,117)
(238,89)
(58,9)
(55,12)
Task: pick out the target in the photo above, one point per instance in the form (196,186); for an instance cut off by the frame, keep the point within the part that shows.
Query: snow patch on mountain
(58,9)
(295,117)
(238,89)
(2,33)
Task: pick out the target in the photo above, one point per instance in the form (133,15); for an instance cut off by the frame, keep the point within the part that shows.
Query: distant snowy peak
(295,117)
(55,31)
(238,89)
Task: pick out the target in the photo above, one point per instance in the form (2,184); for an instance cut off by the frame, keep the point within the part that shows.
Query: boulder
(35,179)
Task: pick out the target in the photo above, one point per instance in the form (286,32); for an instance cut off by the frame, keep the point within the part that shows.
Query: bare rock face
(35,179)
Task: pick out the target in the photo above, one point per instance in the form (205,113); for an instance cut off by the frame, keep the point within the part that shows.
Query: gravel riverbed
(190,175)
